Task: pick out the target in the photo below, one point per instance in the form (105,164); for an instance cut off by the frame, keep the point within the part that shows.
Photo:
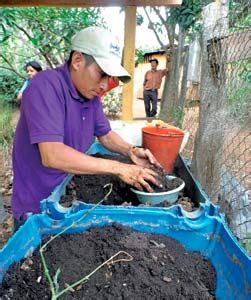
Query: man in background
(151,84)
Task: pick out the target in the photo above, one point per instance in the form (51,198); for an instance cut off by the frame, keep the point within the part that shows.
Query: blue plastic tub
(203,230)
(53,208)
(207,234)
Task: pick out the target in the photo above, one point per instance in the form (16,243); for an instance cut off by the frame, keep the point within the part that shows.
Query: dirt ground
(151,267)
(6,191)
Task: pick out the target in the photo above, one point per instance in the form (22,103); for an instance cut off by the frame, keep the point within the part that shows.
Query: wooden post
(128,60)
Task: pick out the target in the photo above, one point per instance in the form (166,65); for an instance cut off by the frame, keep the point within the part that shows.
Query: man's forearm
(64,158)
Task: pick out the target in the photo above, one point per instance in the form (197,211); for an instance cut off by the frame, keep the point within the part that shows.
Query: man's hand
(143,157)
(138,177)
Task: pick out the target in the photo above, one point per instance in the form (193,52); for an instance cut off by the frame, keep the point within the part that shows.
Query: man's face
(154,65)
(89,80)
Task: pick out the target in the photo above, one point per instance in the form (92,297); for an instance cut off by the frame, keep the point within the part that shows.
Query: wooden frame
(89,3)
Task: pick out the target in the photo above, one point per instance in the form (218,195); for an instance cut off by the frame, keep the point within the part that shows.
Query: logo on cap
(114,48)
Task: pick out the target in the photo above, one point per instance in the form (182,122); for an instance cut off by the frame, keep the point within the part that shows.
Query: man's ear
(77,60)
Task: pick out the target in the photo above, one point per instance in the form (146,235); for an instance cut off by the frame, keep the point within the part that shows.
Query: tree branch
(152,28)
(168,28)
(39,49)
(11,68)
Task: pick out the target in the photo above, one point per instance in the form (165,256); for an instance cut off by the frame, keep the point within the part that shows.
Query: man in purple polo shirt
(61,114)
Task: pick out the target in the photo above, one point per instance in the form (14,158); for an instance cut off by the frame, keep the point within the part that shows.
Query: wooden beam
(128,61)
(89,3)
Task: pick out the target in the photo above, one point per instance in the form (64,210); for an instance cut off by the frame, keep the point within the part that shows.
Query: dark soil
(165,183)
(90,188)
(160,269)
(188,204)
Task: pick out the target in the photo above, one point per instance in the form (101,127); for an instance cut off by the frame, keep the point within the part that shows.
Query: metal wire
(220,122)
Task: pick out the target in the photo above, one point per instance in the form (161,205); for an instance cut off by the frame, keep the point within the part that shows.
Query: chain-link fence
(220,122)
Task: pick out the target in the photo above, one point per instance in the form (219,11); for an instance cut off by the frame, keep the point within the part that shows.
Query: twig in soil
(80,219)
(53,283)
(87,277)
(121,259)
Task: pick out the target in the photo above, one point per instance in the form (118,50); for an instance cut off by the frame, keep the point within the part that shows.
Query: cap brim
(113,68)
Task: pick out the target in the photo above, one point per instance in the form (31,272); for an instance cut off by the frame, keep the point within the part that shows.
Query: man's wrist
(131,150)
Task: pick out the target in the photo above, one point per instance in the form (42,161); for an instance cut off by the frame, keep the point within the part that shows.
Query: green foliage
(246,243)
(10,84)
(178,115)
(239,15)
(6,129)
(239,102)
(41,34)
(139,19)
(48,28)
(112,102)
(185,15)
(139,54)
(239,91)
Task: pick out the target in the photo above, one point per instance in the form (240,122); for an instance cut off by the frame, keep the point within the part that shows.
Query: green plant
(178,115)
(139,56)
(6,128)
(53,281)
(238,101)
(112,102)
(26,34)
(10,85)
(246,243)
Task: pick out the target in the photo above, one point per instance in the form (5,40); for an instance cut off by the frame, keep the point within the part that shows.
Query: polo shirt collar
(74,93)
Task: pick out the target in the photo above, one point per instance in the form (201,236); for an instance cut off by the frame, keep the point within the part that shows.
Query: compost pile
(90,188)
(160,268)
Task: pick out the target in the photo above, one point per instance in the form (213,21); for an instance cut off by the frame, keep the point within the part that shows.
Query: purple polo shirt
(51,111)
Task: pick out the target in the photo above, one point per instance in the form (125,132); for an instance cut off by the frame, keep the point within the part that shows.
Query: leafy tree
(42,34)
(178,24)
(239,14)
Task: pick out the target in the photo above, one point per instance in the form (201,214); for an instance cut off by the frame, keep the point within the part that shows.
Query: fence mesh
(220,122)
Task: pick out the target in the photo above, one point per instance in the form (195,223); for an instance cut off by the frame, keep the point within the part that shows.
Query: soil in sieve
(90,188)
(160,268)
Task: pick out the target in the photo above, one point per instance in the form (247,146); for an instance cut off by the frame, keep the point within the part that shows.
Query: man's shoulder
(163,72)
(52,77)
(49,74)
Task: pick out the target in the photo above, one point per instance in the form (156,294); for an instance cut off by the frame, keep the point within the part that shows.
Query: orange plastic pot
(164,143)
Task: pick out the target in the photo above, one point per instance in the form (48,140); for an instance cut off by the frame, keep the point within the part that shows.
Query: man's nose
(104,83)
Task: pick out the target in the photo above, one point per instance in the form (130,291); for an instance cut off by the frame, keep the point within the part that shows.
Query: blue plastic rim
(206,234)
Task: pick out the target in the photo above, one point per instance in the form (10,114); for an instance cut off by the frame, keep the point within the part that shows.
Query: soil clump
(166,184)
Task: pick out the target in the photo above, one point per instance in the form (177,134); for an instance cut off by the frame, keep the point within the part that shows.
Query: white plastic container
(156,198)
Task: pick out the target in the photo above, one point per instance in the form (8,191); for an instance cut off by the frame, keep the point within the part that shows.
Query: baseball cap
(100,44)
